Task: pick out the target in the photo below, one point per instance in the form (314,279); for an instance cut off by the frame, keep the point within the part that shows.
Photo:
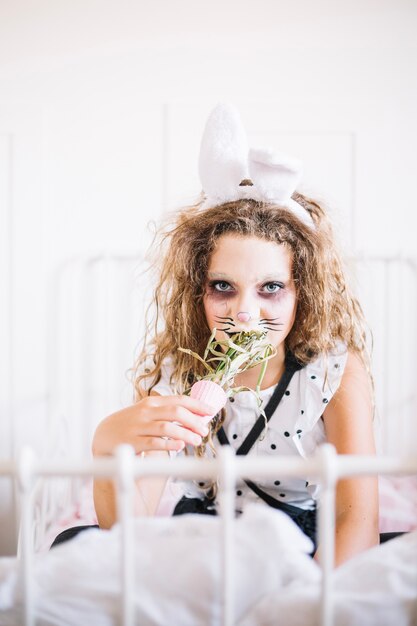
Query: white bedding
(178,573)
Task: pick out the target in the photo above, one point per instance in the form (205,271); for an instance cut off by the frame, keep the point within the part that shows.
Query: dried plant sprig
(225,359)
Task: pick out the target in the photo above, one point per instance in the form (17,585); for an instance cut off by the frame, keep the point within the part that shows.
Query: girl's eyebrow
(262,279)
(218,275)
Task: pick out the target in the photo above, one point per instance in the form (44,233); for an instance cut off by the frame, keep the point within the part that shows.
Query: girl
(253,255)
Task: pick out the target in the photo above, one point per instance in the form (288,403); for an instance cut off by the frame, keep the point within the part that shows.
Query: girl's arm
(348,424)
(154,425)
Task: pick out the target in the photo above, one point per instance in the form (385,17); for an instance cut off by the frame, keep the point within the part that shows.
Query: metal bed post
(328,461)
(25,469)
(124,483)
(226,463)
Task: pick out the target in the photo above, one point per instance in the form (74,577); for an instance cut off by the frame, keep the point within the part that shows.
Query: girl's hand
(154,423)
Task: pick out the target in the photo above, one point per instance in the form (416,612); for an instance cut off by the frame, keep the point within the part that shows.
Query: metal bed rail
(124,467)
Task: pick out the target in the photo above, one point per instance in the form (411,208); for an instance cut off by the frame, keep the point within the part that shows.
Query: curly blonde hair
(327,312)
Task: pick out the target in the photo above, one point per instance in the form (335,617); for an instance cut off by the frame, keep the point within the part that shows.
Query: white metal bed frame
(89,285)
(326,467)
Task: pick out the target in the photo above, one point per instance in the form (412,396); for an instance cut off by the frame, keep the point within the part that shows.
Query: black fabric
(195,505)
(384,537)
(69,533)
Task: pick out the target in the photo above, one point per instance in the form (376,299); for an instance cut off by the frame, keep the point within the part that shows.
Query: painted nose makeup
(244,316)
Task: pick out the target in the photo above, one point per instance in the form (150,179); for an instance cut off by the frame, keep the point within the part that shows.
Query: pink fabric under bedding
(397,503)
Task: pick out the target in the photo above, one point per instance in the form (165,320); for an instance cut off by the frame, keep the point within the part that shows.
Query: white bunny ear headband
(230,171)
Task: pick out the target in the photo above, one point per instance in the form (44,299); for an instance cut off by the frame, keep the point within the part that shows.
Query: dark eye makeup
(219,285)
(276,287)
(224,288)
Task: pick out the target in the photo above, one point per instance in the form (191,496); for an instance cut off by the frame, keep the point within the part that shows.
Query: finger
(168,429)
(192,404)
(174,430)
(177,413)
(182,416)
(148,444)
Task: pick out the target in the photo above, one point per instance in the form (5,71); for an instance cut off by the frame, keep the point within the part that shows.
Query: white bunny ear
(223,161)
(228,171)
(275,175)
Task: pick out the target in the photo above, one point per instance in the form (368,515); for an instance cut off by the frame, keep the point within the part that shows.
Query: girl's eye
(272,287)
(220,285)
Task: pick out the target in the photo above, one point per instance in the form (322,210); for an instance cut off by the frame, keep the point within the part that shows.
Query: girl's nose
(246,307)
(244,316)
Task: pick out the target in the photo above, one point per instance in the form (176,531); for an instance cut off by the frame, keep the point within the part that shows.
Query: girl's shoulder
(327,369)
(316,383)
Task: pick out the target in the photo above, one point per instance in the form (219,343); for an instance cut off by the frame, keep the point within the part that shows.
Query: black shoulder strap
(275,504)
(291,366)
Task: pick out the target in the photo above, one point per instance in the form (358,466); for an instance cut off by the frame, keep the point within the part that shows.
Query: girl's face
(250,287)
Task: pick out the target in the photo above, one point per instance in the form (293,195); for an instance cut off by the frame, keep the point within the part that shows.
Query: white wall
(101,110)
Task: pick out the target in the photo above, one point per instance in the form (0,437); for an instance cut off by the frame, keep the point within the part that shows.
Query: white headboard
(387,289)
(97,308)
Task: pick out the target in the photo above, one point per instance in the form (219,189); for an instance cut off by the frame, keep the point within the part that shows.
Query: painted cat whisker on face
(229,320)
(225,327)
